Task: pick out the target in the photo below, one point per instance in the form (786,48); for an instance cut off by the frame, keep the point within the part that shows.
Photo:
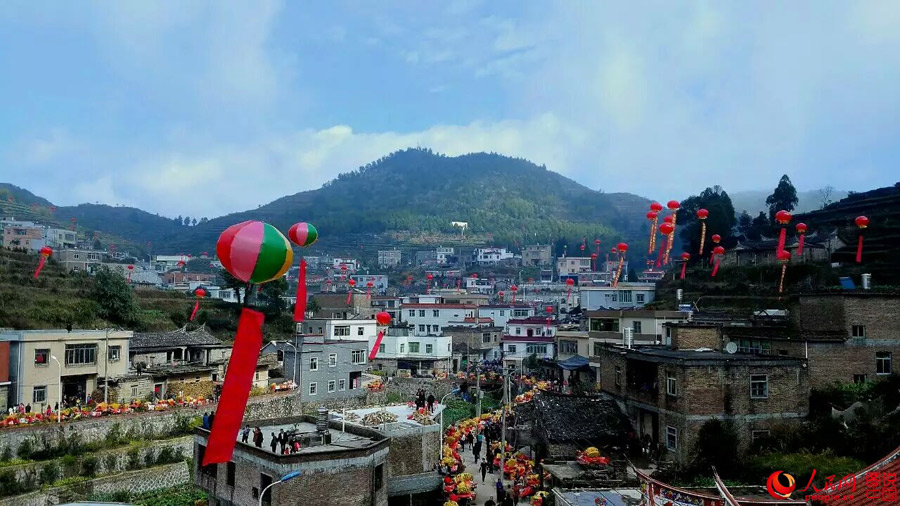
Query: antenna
(731,347)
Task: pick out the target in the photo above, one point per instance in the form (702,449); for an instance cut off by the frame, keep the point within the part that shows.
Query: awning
(573,363)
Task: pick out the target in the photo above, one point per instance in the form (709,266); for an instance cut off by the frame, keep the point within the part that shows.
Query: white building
(429,319)
(478,285)
(502,313)
(625,296)
(379,282)
(58,238)
(491,256)
(567,266)
(164,263)
(347,330)
(525,337)
(420,354)
(351,263)
(389,258)
(443,253)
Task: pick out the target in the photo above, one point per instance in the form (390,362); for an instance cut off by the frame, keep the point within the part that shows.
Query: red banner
(300,306)
(236,390)
(374,352)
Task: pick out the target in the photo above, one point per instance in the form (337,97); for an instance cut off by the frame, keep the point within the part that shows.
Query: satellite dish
(731,348)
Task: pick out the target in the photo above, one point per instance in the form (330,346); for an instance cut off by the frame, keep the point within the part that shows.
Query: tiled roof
(863,494)
(174,339)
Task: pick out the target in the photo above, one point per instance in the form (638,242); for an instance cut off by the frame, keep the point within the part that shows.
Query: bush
(800,465)
(89,466)
(717,445)
(6,455)
(70,466)
(165,456)
(111,463)
(26,449)
(9,485)
(134,459)
(49,474)
(149,458)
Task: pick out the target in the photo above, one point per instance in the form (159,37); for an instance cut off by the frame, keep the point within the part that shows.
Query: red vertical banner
(236,390)
(374,352)
(300,306)
(194,312)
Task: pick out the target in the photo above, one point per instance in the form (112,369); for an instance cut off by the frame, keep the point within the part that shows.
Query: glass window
(429,349)
(859,378)
(671,438)
(639,298)
(502,312)
(342,385)
(381,348)
(625,296)
(518,331)
(604,325)
(412,312)
(540,349)
(671,385)
(858,331)
(421,313)
(883,362)
(759,386)
(512,348)
(313,364)
(436,313)
(332,360)
(313,388)
(81,354)
(358,356)
(331,385)
(402,348)
(115,352)
(41,357)
(359,331)
(636,325)
(421,328)
(618,376)
(485,338)
(342,330)
(414,347)
(39,395)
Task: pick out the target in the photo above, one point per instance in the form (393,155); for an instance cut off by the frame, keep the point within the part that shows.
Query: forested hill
(416,190)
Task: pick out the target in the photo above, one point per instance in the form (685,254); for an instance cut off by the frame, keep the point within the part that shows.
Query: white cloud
(48,147)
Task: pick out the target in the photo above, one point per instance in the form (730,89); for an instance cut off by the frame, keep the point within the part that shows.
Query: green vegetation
(183,495)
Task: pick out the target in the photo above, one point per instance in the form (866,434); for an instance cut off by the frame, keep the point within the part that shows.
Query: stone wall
(134,482)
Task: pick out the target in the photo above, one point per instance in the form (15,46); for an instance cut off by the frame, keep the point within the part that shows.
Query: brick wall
(691,338)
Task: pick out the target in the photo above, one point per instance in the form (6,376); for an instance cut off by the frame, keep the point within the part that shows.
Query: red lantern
(597,244)
(384,319)
(369,286)
(428,277)
(716,238)
(514,289)
(862,222)
(673,205)
(352,283)
(684,257)
(45,253)
(130,268)
(199,294)
(500,295)
(783,218)
(702,214)
(784,257)
(801,231)
(594,262)
(718,251)
(669,219)
(666,229)
(656,207)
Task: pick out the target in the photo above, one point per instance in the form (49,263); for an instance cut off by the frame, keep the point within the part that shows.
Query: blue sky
(204,108)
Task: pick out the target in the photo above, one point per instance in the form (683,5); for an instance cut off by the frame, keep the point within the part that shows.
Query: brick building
(669,393)
(474,343)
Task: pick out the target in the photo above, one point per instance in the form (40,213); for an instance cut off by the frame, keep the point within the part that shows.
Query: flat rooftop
(666,354)
(402,425)
(339,440)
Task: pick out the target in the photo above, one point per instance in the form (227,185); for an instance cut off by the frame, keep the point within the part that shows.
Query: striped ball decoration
(303,234)
(254,252)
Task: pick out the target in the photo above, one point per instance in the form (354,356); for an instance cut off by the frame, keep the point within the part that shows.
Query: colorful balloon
(303,234)
(254,252)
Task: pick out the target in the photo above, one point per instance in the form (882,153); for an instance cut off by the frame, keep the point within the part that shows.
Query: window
(636,325)
(359,331)
(358,356)
(618,376)
(639,298)
(342,330)
(402,348)
(485,338)
(757,434)
(134,391)
(539,349)
(313,388)
(421,313)
(859,378)
(604,325)
(436,313)
(671,438)
(313,364)
(39,395)
(412,312)
(598,349)
(570,347)
(332,360)
(883,363)
(331,386)
(671,385)
(759,386)
(210,470)
(520,312)
(624,296)
(342,385)
(518,331)
(429,349)
(41,357)
(449,346)
(858,331)
(414,347)
(229,474)
(81,354)
(511,348)
(264,481)
(381,348)
(422,328)
(502,312)
(115,352)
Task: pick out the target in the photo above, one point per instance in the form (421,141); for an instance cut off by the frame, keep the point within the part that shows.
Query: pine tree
(784,197)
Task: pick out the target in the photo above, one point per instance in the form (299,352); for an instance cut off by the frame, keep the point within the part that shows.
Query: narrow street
(487,489)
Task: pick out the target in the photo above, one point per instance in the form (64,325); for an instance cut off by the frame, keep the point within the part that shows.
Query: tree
(203,220)
(240,288)
(114,298)
(270,295)
(193,222)
(825,196)
(721,220)
(784,197)
(761,227)
(531,363)
(313,306)
(745,225)
(187,221)
(717,445)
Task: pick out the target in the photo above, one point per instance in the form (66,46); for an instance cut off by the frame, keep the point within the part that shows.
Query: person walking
(431,403)
(245,434)
(508,499)
(501,492)
(274,443)
(206,421)
(476,450)
(484,469)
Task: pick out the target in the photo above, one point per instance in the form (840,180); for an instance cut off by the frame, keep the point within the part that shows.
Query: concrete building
(815,249)
(401,349)
(625,296)
(389,258)
(339,329)
(345,464)
(379,283)
(166,263)
(38,358)
(22,234)
(426,257)
(649,326)
(334,305)
(570,343)
(429,319)
(670,393)
(58,238)
(502,313)
(492,256)
(537,255)
(525,337)
(444,255)
(474,343)
(328,369)
(479,285)
(351,264)
(474,299)
(569,266)
(388,304)
(79,260)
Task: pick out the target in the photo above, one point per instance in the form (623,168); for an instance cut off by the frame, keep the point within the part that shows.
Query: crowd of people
(424,402)
(282,443)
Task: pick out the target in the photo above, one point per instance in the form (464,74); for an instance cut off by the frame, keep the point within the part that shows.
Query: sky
(203,108)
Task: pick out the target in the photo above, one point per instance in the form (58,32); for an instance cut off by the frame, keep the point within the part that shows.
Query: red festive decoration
(718,251)
(199,293)
(549,310)
(384,319)
(782,218)
(622,247)
(514,289)
(594,262)
(45,253)
(862,222)
(369,286)
(569,284)
(653,218)
(702,214)
(684,257)
(801,232)
(428,277)
(352,283)
(667,229)
(784,257)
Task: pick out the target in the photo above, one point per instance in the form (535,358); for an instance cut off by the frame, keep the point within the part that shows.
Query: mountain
(409,196)
(754,201)
(20,195)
